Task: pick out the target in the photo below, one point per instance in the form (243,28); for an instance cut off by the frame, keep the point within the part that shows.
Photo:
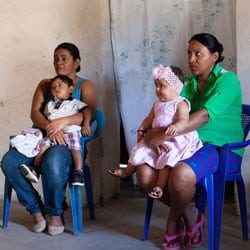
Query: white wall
(30,30)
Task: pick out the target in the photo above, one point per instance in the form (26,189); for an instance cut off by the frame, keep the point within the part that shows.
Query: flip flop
(156,193)
(174,241)
(168,239)
(190,235)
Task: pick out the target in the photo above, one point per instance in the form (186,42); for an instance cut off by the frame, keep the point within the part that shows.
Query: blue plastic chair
(76,195)
(212,188)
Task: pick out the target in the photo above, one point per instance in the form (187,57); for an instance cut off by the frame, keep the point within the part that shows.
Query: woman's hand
(55,126)
(156,136)
(58,138)
(55,130)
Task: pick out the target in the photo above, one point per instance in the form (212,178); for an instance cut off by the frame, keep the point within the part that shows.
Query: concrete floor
(118,225)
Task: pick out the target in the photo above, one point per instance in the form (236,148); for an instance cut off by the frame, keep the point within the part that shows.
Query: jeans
(55,172)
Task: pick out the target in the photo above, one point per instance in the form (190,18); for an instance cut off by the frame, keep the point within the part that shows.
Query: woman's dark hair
(211,43)
(178,72)
(73,50)
(64,78)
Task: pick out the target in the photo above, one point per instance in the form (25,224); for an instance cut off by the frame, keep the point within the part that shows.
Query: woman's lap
(206,160)
(55,169)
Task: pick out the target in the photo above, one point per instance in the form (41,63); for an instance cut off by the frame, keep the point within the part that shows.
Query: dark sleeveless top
(76,93)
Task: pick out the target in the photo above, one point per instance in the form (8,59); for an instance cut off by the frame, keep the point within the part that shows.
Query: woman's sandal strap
(198,228)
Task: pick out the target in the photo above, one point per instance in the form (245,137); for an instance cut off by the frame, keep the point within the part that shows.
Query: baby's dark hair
(178,72)
(64,78)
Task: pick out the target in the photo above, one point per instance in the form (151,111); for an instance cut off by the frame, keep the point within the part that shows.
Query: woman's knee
(11,161)
(7,159)
(182,176)
(56,157)
(56,163)
(5,162)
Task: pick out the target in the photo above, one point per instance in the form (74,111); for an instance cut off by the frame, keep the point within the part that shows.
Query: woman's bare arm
(38,103)
(196,120)
(89,95)
(180,120)
(157,136)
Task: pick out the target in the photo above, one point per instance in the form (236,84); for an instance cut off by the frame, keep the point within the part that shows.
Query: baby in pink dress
(170,112)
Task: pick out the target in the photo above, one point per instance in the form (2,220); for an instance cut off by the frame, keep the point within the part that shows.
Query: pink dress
(180,147)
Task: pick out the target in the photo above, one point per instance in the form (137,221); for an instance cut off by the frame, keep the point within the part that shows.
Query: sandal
(39,227)
(156,193)
(55,230)
(174,241)
(168,240)
(190,235)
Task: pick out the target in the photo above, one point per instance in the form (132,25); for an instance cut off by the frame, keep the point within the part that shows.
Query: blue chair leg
(76,207)
(243,208)
(211,213)
(218,210)
(89,191)
(149,207)
(7,201)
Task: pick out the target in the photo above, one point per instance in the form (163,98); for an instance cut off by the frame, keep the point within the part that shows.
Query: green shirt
(222,99)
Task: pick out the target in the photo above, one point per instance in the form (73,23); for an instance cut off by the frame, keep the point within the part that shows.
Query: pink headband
(166,73)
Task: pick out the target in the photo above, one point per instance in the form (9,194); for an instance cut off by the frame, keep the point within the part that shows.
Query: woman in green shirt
(215,97)
(221,98)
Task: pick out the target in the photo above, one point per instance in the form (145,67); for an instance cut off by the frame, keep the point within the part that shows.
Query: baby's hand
(85,130)
(171,130)
(140,135)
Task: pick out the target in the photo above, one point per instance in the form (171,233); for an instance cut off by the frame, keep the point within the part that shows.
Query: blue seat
(75,191)
(212,189)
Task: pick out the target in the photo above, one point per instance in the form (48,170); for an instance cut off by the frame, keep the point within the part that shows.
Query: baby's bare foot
(118,172)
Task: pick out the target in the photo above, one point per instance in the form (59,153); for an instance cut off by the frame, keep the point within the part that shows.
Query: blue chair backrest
(97,125)
(245,119)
